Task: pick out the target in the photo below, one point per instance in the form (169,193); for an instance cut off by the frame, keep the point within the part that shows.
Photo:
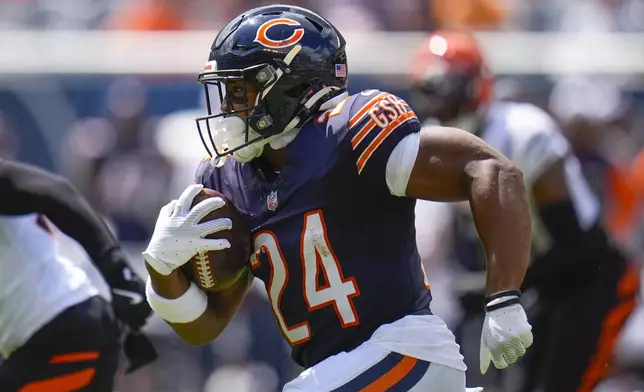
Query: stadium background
(105,93)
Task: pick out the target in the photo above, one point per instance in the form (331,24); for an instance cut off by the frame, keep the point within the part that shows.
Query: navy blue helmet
(292,59)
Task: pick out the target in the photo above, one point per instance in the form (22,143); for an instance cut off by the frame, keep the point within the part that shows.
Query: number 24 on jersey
(317,255)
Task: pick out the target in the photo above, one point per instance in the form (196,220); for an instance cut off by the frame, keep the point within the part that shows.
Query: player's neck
(275,157)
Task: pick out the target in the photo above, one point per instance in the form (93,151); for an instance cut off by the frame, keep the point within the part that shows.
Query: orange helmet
(450,80)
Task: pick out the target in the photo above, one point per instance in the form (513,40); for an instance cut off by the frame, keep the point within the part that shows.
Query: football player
(56,332)
(328,182)
(586,288)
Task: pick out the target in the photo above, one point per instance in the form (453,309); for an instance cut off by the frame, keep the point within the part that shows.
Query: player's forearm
(502,217)
(32,190)
(222,306)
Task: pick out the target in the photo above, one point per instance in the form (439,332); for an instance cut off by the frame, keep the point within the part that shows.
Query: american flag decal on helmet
(340,70)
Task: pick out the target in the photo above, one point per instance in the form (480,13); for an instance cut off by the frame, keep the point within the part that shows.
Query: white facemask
(229,133)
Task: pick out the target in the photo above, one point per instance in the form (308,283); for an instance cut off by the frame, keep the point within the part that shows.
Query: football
(218,270)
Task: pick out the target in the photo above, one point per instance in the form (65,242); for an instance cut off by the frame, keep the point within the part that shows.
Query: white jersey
(530,138)
(36,283)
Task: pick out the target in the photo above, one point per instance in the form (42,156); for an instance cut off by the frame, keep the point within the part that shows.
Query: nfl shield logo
(271,201)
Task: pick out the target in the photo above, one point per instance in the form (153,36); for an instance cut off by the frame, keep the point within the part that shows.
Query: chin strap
(333,102)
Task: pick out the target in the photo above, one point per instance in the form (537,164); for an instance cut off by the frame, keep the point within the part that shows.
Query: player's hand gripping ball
(218,270)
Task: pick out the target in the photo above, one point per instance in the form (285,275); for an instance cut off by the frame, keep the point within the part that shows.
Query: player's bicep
(447,161)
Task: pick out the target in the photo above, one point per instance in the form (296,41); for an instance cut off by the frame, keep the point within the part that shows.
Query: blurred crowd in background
(130,145)
(529,15)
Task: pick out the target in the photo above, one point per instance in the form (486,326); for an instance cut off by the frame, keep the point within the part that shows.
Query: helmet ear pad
(280,105)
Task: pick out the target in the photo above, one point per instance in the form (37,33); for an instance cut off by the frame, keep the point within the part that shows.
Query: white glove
(178,235)
(506,333)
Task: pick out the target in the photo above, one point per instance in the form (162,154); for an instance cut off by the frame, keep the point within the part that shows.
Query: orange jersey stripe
(74,357)
(362,133)
(600,363)
(392,377)
(365,109)
(630,283)
(375,143)
(67,383)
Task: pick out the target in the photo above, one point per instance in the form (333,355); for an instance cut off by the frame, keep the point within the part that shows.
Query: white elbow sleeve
(401,163)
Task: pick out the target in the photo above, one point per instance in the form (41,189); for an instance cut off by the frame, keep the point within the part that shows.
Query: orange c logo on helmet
(263,39)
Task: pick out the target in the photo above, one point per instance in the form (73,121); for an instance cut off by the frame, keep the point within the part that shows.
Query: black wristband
(501,294)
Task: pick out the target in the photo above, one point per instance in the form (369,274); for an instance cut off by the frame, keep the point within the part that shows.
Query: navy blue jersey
(335,249)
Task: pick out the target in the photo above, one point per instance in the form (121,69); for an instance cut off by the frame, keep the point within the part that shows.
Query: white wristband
(187,308)
(501,300)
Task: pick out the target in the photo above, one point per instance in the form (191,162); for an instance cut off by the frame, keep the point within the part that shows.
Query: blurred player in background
(586,287)
(56,332)
(328,182)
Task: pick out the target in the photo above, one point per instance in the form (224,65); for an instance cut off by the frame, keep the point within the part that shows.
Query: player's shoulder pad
(526,122)
(377,121)
(535,137)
